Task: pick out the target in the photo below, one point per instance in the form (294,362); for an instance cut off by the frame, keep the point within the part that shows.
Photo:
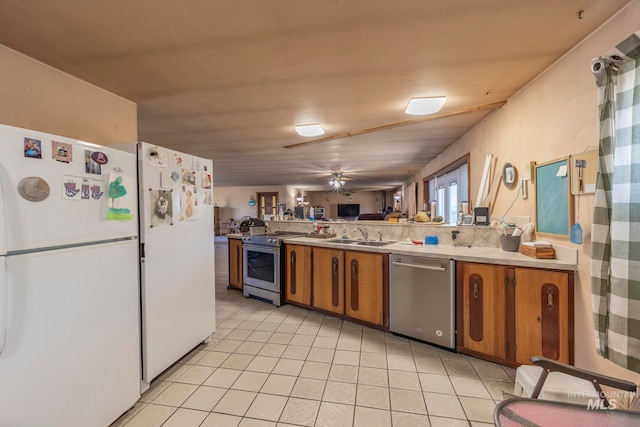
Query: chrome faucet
(364,232)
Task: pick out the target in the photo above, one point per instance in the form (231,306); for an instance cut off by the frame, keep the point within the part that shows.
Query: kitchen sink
(376,243)
(343,241)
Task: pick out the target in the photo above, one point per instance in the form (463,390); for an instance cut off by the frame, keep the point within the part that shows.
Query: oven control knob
(271,240)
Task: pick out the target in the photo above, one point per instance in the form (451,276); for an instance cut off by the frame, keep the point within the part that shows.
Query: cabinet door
(328,279)
(483,305)
(235,263)
(298,274)
(364,275)
(542,303)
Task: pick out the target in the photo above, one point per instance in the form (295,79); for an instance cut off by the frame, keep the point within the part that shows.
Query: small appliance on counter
(481,216)
(253,226)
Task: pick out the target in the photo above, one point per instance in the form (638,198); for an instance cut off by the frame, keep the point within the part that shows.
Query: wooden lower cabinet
(508,314)
(328,279)
(483,309)
(235,263)
(298,274)
(543,315)
(351,284)
(364,286)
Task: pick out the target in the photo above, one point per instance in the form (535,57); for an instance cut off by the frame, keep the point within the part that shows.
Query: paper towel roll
(433,209)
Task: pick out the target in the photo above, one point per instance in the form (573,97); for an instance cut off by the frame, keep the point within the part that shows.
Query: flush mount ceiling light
(309,130)
(424,106)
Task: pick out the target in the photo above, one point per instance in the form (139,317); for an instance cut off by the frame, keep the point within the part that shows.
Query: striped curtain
(615,240)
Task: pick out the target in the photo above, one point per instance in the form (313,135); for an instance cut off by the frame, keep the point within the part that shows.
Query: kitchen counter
(566,257)
(459,253)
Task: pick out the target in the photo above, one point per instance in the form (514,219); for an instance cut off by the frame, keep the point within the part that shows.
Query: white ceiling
(228,79)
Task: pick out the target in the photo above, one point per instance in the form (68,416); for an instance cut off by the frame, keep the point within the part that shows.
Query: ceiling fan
(337,183)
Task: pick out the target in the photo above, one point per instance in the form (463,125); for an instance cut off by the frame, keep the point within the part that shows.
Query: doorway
(267,204)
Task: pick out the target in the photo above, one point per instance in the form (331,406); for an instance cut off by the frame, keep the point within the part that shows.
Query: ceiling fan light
(309,130)
(424,106)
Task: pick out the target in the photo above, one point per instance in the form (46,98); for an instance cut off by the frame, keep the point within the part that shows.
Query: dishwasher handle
(421,267)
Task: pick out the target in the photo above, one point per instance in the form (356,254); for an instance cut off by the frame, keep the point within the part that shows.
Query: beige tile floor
(270,366)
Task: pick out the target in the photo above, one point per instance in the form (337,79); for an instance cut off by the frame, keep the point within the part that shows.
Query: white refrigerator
(177,255)
(69,295)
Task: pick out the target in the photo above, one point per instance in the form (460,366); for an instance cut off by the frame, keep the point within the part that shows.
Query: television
(348,210)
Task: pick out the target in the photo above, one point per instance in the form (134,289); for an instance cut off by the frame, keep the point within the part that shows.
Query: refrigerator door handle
(4,287)
(4,302)
(3,230)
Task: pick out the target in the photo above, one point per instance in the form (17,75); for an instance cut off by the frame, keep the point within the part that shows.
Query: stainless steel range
(262,265)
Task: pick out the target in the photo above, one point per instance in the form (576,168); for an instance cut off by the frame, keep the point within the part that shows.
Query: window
(449,187)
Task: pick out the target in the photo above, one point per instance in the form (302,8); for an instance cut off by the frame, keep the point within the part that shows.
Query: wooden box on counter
(540,253)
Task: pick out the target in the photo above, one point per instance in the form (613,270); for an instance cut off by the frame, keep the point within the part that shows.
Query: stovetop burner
(274,238)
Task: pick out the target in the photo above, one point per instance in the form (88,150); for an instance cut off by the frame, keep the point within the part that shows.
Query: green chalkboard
(554,208)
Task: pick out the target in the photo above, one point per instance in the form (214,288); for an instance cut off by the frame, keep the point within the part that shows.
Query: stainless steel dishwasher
(422,298)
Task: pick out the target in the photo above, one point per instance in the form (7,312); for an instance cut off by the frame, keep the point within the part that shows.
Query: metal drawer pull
(476,293)
(550,299)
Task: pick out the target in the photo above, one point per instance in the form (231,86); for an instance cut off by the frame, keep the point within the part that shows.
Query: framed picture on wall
(554,204)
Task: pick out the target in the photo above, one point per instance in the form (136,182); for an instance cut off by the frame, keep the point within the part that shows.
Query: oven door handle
(259,248)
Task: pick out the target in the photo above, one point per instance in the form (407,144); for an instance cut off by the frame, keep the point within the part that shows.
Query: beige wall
(36,96)
(554,116)
(234,201)
(370,201)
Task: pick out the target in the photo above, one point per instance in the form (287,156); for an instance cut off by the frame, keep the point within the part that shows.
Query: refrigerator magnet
(96,189)
(208,198)
(33,189)
(122,200)
(161,212)
(91,166)
(84,189)
(169,179)
(99,157)
(32,148)
(61,152)
(188,177)
(205,179)
(71,187)
(156,157)
(189,203)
